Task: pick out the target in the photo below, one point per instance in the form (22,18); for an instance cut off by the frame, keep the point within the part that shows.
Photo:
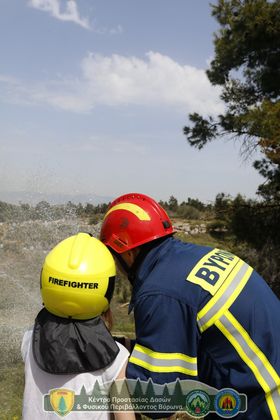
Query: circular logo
(197,403)
(227,403)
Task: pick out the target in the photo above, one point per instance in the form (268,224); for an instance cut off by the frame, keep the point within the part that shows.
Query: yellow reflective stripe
(253,347)
(165,356)
(132,208)
(225,296)
(163,362)
(163,369)
(217,296)
(253,368)
(251,360)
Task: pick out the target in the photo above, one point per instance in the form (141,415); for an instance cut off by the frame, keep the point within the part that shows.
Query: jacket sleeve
(166,340)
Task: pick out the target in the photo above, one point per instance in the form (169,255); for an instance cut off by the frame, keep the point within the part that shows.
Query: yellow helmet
(78,278)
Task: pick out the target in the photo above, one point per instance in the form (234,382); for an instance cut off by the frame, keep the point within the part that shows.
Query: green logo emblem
(197,403)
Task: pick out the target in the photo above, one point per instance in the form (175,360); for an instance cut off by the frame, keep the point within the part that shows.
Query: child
(70,346)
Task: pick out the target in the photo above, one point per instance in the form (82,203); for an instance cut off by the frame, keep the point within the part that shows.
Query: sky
(94,95)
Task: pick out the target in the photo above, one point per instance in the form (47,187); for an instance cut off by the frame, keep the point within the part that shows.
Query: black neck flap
(70,346)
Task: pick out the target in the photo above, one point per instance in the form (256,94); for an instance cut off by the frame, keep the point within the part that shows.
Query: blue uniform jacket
(204,314)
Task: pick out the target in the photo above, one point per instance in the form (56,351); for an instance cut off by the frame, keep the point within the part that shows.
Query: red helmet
(133,220)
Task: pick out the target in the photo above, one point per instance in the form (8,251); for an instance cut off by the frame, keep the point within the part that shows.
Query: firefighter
(200,313)
(70,345)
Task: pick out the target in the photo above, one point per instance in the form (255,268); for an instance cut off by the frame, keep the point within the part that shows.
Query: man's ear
(130,255)
(134,252)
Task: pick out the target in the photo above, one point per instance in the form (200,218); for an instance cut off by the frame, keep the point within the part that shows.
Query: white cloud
(157,80)
(117,80)
(71,13)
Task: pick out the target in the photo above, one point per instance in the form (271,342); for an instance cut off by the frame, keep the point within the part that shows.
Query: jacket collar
(146,266)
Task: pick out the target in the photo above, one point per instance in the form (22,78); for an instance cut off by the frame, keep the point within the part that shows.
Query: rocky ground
(189,228)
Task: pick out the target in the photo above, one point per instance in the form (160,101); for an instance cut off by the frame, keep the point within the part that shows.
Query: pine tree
(83,391)
(96,389)
(247,67)
(166,392)
(150,390)
(138,392)
(62,408)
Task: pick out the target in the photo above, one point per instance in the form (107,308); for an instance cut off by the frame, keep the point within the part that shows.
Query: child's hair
(108,318)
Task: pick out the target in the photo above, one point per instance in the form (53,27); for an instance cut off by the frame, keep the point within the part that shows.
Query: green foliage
(222,206)
(265,260)
(248,39)
(247,66)
(188,212)
(253,229)
(173,203)
(270,190)
(6,211)
(197,204)
(256,223)
(45,211)
(190,209)
(249,220)
(202,130)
